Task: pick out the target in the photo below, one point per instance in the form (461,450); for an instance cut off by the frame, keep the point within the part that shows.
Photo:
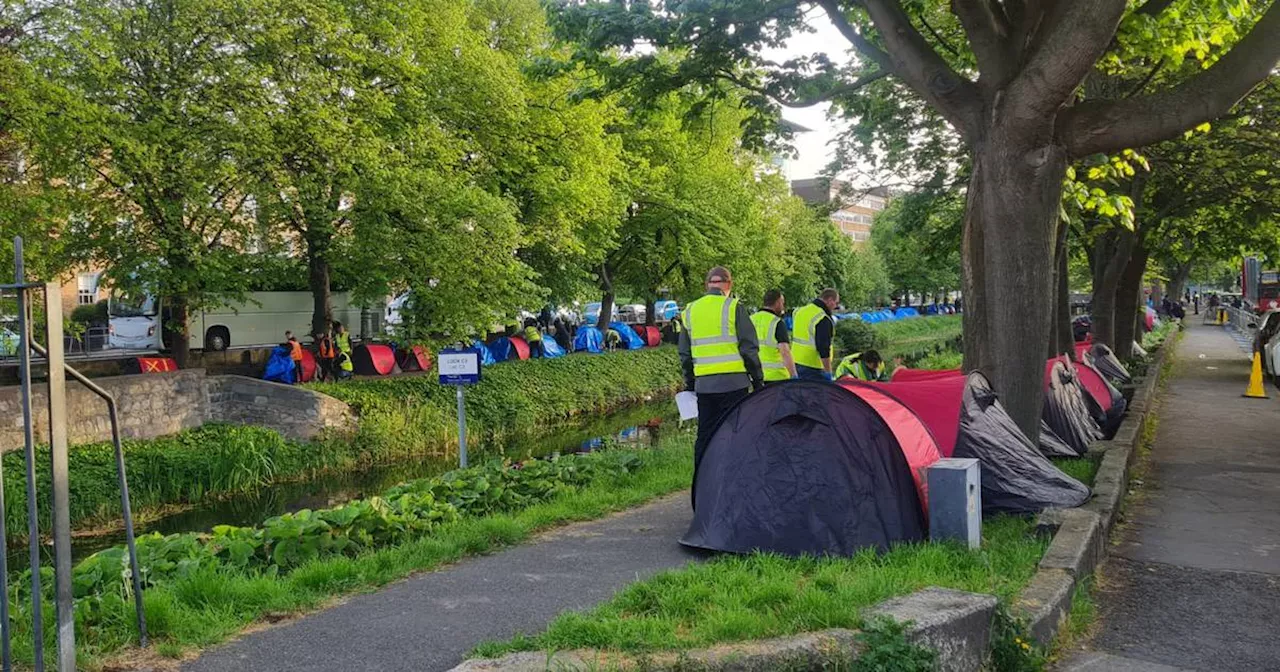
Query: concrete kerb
(956,624)
(1080,535)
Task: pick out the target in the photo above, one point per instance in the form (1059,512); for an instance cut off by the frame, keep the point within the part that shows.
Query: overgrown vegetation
(417,415)
(736,598)
(202,588)
(1080,468)
(213,460)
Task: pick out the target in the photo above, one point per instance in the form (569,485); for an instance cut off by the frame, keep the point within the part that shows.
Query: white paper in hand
(687,402)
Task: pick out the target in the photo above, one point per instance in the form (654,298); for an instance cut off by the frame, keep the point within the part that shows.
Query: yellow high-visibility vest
(713,335)
(770,356)
(804,346)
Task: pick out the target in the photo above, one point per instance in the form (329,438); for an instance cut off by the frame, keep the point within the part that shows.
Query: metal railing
(25,294)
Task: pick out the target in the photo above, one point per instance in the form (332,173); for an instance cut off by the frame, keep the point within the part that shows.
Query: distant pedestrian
(295,353)
(1195,303)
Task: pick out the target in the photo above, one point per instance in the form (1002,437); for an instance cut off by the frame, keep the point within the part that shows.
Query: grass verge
(1082,469)
(210,604)
(740,598)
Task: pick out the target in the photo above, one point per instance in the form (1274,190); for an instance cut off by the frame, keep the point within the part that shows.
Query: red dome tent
(416,358)
(1104,360)
(309,366)
(966,419)
(1050,444)
(373,359)
(651,335)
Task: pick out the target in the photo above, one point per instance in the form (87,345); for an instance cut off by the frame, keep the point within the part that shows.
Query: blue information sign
(459,366)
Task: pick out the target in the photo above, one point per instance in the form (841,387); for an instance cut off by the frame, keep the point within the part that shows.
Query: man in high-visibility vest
(774,339)
(719,354)
(813,336)
(863,366)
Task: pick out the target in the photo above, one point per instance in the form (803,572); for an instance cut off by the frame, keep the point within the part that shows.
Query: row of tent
(807,468)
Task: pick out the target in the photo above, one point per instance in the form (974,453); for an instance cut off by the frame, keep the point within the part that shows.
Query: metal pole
(462,429)
(123,480)
(29,453)
(63,596)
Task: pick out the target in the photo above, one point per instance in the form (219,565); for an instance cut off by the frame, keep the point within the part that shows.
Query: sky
(812,147)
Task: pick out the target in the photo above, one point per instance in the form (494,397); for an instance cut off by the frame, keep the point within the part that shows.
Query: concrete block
(1077,546)
(1044,603)
(955,501)
(954,623)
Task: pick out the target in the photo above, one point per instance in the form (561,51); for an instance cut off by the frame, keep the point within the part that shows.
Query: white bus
(258,321)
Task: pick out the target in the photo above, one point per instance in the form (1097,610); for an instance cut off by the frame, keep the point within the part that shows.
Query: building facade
(853,209)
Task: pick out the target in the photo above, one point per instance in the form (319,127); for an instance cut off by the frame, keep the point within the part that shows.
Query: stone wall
(153,405)
(292,411)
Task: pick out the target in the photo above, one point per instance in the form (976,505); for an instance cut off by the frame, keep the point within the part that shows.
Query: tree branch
(941,41)
(807,101)
(987,38)
(1145,80)
(1107,126)
(1069,43)
(1153,7)
(912,59)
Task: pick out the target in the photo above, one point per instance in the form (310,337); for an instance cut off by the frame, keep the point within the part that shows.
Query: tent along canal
(637,425)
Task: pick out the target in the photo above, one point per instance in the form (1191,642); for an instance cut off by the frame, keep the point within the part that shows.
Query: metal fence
(19,343)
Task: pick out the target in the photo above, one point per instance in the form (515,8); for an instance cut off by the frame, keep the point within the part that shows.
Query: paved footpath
(1194,583)
(430,621)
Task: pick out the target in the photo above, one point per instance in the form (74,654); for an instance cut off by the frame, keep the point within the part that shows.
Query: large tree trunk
(650,312)
(1128,301)
(318,280)
(1010,222)
(606,301)
(1113,258)
(1178,283)
(177,330)
(1061,338)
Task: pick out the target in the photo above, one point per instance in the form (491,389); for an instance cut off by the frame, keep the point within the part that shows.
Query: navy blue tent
(803,468)
(589,339)
(486,355)
(279,366)
(630,339)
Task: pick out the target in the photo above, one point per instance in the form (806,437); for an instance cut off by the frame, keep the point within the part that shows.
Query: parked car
(591,313)
(8,343)
(1267,342)
(633,313)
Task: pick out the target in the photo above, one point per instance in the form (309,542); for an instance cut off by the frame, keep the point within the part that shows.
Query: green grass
(939,327)
(942,360)
(1080,468)
(736,598)
(211,604)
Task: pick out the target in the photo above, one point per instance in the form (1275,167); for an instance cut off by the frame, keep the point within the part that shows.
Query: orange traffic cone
(1256,389)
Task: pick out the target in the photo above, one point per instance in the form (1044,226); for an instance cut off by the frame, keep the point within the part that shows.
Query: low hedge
(417,414)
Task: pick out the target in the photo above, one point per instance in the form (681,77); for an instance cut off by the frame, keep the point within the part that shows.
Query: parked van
(258,321)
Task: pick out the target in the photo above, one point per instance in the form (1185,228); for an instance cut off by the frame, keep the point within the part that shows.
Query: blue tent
(551,349)
(589,339)
(630,339)
(887,315)
(279,366)
(906,311)
(871,318)
(486,355)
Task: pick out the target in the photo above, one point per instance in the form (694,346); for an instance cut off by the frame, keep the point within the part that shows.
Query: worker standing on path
(719,355)
(774,339)
(813,343)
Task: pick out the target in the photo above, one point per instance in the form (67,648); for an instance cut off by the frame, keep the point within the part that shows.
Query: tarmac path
(1194,580)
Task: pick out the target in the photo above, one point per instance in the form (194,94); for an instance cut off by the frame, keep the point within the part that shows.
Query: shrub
(857,336)
(90,314)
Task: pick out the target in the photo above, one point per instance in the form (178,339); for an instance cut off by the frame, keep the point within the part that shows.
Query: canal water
(633,426)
